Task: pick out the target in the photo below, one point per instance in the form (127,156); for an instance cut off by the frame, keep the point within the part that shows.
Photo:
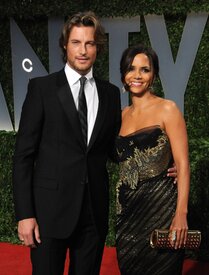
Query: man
(60,177)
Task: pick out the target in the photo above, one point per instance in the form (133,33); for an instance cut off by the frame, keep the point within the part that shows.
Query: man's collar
(74,76)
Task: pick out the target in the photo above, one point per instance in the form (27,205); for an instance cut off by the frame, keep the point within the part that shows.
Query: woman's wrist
(181,212)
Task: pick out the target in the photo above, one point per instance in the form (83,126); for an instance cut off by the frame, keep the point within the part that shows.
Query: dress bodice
(143,154)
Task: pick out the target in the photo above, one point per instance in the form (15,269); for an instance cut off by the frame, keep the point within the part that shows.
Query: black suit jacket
(51,162)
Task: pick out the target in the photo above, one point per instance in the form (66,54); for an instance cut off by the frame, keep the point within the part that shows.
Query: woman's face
(140,77)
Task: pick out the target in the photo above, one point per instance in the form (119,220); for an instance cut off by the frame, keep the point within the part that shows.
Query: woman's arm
(176,130)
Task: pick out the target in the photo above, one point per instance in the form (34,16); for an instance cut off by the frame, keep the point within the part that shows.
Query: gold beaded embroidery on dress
(142,164)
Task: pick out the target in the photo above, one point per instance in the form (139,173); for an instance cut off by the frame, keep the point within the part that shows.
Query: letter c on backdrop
(29,68)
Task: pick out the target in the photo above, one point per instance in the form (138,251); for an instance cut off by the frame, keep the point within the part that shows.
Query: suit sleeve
(27,144)
(117,107)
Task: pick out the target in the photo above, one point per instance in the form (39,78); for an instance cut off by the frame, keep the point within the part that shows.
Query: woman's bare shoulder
(168,105)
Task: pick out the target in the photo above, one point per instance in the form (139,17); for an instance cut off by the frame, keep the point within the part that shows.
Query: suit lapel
(66,99)
(102,108)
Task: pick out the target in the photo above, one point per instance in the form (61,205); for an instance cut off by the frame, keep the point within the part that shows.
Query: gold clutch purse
(160,238)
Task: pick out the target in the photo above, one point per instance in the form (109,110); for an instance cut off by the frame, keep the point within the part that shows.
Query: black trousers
(86,249)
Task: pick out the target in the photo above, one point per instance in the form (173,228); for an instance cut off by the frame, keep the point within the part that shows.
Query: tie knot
(83,80)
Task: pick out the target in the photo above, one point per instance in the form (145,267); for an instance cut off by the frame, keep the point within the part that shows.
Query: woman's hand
(179,229)
(172,172)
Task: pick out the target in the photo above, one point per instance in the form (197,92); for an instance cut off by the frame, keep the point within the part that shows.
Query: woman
(152,136)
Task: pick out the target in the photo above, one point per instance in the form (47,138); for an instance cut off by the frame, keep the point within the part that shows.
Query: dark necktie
(82,108)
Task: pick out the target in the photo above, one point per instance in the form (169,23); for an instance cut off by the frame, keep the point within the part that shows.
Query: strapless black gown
(146,200)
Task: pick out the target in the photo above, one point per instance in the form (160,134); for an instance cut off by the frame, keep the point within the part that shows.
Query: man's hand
(28,232)
(172,172)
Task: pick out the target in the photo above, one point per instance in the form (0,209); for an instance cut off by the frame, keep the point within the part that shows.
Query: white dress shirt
(90,91)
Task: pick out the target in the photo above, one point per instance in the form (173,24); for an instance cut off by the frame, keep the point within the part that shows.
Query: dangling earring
(151,88)
(123,89)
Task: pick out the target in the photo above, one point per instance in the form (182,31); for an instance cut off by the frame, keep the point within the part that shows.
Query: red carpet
(14,260)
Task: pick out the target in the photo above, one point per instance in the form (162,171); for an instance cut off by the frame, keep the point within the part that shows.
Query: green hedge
(32,17)
(28,8)
(199,192)
(7,220)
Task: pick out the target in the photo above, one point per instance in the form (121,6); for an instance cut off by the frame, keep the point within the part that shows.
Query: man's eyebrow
(74,39)
(92,41)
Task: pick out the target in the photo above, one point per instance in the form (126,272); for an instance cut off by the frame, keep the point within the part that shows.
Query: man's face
(81,49)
